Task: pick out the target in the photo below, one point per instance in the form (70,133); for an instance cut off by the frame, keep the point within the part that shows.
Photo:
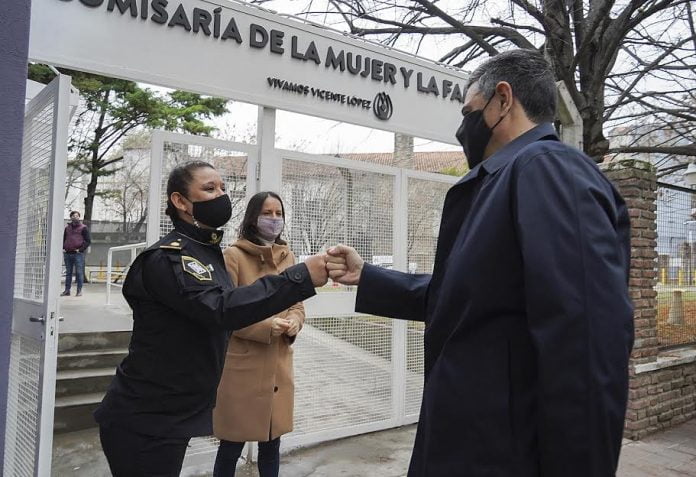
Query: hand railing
(133,247)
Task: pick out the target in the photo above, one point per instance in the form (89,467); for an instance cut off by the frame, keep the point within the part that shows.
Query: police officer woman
(184,307)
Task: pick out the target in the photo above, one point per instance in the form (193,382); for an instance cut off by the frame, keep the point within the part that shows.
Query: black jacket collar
(205,236)
(510,150)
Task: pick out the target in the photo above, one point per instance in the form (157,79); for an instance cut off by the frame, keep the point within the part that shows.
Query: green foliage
(111,108)
(457,171)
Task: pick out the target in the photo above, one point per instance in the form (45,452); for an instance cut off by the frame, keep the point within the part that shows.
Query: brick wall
(662,386)
(661,397)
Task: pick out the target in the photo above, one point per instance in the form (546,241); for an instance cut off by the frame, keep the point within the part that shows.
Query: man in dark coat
(528,322)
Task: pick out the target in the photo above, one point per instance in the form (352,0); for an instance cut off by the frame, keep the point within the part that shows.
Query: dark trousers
(229,452)
(135,455)
(74,261)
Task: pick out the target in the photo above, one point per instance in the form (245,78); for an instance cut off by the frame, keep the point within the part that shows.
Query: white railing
(133,247)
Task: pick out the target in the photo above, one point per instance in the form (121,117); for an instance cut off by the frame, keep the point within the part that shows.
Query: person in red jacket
(76,239)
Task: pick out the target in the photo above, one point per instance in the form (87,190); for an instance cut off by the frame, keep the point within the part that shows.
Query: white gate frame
(265,172)
(343,303)
(38,320)
(407,174)
(157,153)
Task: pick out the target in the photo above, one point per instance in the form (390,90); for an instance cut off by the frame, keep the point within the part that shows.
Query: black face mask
(214,212)
(474,135)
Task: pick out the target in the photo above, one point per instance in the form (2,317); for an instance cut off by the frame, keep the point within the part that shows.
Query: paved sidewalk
(89,312)
(669,454)
(386,454)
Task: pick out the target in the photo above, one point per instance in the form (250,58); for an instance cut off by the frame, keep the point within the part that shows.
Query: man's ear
(506,100)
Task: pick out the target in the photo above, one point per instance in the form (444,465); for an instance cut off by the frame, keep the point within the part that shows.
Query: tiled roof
(434,161)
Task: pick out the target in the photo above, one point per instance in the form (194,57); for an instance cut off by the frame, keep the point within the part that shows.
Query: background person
(256,393)
(184,305)
(76,239)
(529,325)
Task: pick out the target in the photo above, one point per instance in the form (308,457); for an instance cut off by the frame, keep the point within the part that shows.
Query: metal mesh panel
(35,187)
(342,373)
(327,204)
(343,369)
(425,200)
(232,166)
(676,248)
(22,437)
(22,407)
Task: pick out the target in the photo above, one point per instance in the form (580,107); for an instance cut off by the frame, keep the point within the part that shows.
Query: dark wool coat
(528,322)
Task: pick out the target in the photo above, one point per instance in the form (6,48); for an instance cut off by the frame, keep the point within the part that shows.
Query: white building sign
(240,52)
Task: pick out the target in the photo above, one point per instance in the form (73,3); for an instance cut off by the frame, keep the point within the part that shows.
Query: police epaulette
(175,245)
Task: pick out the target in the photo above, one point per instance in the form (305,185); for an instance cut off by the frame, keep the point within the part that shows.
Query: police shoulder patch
(196,268)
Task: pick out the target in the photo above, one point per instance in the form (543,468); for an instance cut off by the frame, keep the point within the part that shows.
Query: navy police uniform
(184,307)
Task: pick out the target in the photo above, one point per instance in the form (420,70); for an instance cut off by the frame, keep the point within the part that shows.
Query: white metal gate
(236,162)
(31,393)
(354,373)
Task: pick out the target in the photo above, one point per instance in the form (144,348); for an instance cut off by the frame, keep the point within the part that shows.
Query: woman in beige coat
(256,393)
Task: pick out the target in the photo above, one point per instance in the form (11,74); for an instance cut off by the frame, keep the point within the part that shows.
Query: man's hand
(316,264)
(294,326)
(344,265)
(279,326)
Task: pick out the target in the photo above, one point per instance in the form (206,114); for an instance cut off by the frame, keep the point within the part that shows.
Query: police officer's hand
(279,326)
(344,265)
(316,264)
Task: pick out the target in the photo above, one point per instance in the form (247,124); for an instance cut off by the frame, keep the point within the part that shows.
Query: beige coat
(255,397)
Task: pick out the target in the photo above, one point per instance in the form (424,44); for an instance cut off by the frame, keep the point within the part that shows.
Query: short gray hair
(530,77)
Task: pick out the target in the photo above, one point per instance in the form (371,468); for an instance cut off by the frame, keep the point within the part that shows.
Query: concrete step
(89,359)
(83,381)
(68,342)
(74,413)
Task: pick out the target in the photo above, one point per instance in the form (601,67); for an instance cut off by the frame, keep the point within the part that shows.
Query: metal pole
(270,177)
(400,327)
(109,256)
(14,38)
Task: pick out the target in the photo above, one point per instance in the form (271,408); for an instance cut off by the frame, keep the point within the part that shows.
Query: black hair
(72,212)
(248,229)
(531,79)
(179,181)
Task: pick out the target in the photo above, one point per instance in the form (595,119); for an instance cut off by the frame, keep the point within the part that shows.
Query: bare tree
(127,194)
(621,60)
(315,208)
(425,200)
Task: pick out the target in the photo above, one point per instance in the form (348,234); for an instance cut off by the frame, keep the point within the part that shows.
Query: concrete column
(403,151)
(270,177)
(14,45)
(569,116)
(676,309)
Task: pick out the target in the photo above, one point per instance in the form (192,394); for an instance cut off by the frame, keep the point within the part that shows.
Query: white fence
(354,373)
(111,273)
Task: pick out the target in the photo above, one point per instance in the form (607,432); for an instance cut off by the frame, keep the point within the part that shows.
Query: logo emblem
(382,106)
(196,268)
